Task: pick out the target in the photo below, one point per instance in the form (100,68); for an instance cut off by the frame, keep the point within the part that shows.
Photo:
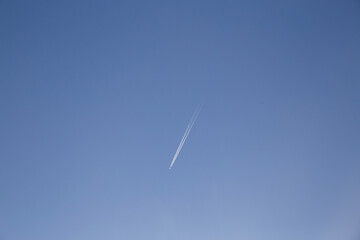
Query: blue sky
(96,95)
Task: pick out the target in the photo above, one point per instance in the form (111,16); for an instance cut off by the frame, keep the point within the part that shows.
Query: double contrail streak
(186,134)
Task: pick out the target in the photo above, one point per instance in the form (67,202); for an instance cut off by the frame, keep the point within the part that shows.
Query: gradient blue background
(96,95)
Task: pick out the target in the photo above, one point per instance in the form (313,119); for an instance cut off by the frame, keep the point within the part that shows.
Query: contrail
(192,121)
(186,134)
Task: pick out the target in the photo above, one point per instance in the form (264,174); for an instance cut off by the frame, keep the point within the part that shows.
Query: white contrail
(192,121)
(183,138)
(186,134)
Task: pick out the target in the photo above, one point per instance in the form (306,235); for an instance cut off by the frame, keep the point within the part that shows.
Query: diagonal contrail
(191,123)
(184,137)
(188,131)
(182,141)
(186,134)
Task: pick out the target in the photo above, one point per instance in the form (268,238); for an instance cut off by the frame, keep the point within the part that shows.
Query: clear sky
(96,95)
